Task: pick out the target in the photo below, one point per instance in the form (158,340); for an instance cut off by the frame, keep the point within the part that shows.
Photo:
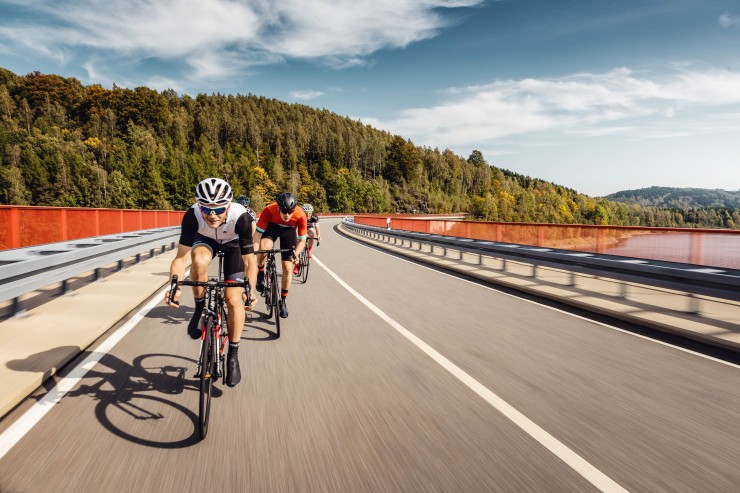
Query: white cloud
(306,95)
(729,20)
(162,83)
(617,102)
(221,37)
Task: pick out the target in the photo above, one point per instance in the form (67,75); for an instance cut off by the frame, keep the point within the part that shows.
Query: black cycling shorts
(288,238)
(233,263)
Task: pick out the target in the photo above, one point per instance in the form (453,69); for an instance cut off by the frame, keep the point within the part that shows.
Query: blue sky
(596,95)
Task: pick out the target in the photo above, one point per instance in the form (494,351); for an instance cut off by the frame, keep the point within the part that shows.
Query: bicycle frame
(271,292)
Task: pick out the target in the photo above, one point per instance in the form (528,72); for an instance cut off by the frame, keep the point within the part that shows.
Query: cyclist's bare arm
(298,249)
(256,237)
(177,268)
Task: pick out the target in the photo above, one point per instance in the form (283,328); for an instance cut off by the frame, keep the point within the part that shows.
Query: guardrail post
(96,274)
(694,304)
(138,258)
(15,307)
(64,289)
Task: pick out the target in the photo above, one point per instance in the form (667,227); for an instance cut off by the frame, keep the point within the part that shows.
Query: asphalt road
(389,376)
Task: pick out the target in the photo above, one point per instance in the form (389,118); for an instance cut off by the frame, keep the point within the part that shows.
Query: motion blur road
(390,376)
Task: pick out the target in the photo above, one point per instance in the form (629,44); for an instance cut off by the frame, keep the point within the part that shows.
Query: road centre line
(603,324)
(32,416)
(576,462)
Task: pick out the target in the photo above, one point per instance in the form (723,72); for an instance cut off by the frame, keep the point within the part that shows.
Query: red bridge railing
(23,226)
(709,247)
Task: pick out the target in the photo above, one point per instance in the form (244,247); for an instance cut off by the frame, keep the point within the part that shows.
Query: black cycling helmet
(286,202)
(243,200)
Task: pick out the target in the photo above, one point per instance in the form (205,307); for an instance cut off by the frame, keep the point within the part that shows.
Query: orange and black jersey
(297,220)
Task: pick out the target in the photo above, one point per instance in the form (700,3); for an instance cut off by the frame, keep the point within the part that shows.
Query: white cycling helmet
(213,191)
(307,208)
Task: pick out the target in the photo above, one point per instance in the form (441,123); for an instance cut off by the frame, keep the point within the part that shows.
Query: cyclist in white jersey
(214,224)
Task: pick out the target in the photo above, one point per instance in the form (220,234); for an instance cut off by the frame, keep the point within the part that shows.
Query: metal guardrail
(24,270)
(709,281)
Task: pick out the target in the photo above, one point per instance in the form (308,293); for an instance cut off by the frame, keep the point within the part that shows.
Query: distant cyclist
(244,200)
(281,219)
(214,224)
(314,230)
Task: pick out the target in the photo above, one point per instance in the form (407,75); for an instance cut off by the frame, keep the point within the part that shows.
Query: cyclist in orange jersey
(281,219)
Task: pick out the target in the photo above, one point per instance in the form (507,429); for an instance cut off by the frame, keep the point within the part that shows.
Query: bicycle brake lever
(173,290)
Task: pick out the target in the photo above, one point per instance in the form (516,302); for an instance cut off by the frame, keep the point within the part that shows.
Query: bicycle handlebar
(214,284)
(274,250)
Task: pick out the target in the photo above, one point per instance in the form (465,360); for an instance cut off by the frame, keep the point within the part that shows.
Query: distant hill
(679,198)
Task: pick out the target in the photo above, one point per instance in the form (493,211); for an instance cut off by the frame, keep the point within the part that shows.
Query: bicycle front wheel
(269,298)
(208,355)
(276,299)
(304,268)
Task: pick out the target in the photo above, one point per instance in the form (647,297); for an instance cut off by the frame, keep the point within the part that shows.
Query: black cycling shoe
(260,281)
(283,309)
(233,374)
(194,329)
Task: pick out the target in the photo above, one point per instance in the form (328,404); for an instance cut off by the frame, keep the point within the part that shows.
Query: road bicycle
(211,359)
(304,262)
(271,292)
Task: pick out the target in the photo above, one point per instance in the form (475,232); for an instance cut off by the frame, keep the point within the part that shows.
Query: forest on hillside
(66,144)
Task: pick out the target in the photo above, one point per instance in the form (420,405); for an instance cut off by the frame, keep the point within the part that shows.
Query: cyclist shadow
(266,334)
(130,393)
(171,316)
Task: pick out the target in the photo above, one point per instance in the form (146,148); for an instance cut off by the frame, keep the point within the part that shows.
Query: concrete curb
(36,343)
(701,318)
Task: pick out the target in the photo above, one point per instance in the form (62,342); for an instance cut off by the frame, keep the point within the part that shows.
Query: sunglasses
(286,212)
(210,210)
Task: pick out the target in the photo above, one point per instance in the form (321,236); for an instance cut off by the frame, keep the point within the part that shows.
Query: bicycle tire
(224,335)
(207,370)
(268,293)
(275,297)
(304,268)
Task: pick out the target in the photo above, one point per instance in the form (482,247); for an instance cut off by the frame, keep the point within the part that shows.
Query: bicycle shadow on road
(171,316)
(131,396)
(250,326)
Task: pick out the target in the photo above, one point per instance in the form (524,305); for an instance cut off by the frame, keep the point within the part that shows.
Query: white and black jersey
(237,225)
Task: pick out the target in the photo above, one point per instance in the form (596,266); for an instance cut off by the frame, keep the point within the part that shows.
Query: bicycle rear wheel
(207,375)
(276,300)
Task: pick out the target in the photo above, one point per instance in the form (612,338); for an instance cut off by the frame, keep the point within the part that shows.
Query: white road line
(30,418)
(603,324)
(589,472)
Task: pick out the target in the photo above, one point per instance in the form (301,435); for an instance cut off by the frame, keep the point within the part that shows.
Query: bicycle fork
(216,336)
